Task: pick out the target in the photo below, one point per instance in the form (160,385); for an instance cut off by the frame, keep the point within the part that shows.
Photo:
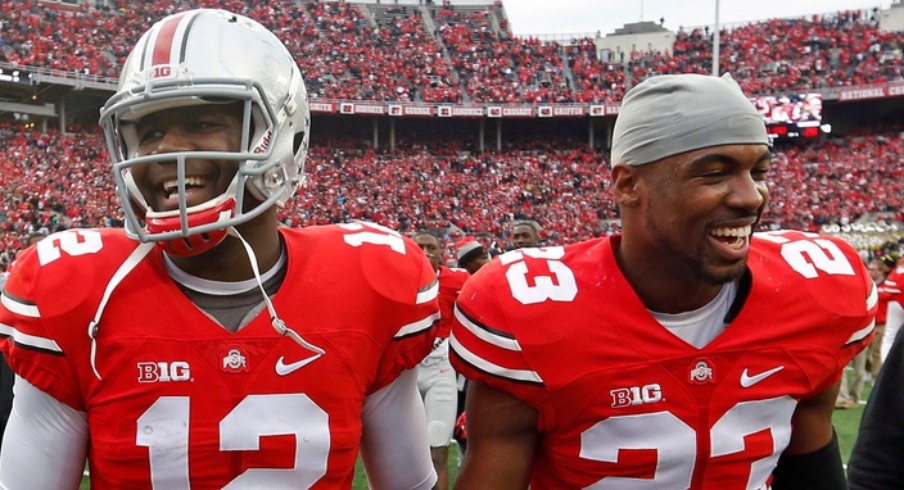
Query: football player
(437,381)
(685,352)
(525,233)
(204,346)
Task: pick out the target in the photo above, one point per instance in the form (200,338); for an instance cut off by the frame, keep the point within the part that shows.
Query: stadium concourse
(442,55)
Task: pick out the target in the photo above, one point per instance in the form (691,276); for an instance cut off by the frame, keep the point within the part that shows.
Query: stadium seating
(457,54)
(466,53)
(52,181)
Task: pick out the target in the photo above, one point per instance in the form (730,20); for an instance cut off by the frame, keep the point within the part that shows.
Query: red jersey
(451,281)
(622,401)
(178,401)
(890,289)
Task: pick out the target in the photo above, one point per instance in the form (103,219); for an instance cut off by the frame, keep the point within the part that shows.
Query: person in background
(685,352)
(891,291)
(471,254)
(874,361)
(525,233)
(436,378)
(204,345)
(850,392)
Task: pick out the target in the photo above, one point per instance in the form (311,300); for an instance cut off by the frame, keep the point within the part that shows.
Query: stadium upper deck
(463,54)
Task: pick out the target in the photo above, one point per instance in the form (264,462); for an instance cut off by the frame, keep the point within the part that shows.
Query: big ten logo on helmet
(159,71)
(163,372)
(636,395)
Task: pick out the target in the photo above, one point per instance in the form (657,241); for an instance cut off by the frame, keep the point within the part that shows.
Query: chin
(723,275)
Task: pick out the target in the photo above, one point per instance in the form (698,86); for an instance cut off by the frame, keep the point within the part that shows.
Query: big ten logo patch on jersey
(636,395)
(163,372)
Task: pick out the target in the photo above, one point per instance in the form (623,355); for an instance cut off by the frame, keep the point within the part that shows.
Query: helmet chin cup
(196,243)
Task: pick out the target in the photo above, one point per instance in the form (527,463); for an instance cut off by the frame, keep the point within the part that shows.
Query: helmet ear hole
(296,143)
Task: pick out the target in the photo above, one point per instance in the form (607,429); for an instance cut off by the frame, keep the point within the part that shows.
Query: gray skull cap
(667,115)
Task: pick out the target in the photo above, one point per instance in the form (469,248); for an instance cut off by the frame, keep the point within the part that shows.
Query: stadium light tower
(716,43)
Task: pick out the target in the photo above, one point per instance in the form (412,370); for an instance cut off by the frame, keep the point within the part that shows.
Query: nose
(747,193)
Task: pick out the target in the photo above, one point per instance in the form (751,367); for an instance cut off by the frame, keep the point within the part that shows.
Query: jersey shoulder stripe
(476,344)
(20,306)
(32,342)
(418,327)
(428,294)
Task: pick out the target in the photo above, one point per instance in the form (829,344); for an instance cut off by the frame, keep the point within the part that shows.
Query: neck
(229,260)
(659,286)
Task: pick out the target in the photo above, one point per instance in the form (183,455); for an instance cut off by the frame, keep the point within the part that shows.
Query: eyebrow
(767,155)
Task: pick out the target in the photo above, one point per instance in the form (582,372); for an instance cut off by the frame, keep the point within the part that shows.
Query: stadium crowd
(458,54)
(51,181)
(466,53)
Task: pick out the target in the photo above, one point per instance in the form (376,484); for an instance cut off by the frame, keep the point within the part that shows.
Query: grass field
(847,423)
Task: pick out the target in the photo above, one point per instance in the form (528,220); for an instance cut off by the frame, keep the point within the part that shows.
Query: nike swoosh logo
(747,381)
(284,369)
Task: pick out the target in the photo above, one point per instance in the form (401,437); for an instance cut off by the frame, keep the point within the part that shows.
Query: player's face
(215,127)
(524,236)
(477,263)
(876,270)
(702,206)
(430,245)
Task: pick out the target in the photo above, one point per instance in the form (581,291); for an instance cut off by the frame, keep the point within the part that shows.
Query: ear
(626,185)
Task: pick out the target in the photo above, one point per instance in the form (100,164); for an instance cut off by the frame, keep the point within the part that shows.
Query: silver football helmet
(199,57)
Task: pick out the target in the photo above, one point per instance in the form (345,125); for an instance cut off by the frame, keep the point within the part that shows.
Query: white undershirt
(46,440)
(699,327)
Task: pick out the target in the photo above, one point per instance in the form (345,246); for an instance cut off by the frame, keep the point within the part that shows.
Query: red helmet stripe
(165,37)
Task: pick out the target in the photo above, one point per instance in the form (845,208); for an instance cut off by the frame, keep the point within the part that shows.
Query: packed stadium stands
(462,55)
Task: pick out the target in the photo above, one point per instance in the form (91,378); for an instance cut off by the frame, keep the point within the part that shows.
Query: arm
(394,441)
(46,442)
(876,462)
(502,434)
(812,459)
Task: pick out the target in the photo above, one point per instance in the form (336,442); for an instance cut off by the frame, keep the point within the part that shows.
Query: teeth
(171,185)
(741,234)
(742,231)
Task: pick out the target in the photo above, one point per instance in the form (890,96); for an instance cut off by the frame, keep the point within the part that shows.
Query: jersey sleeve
(395,451)
(821,283)
(406,290)
(483,343)
(51,297)
(864,294)
(41,429)
(29,342)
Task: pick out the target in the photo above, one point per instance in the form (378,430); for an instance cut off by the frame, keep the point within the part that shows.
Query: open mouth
(735,238)
(194,187)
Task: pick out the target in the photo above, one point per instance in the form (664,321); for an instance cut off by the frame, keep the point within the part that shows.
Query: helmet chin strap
(278,324)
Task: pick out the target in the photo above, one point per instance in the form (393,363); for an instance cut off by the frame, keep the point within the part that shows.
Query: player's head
(431,247)
(471,254)
(877,269)
(690,155)
(208,129)
(525,233)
